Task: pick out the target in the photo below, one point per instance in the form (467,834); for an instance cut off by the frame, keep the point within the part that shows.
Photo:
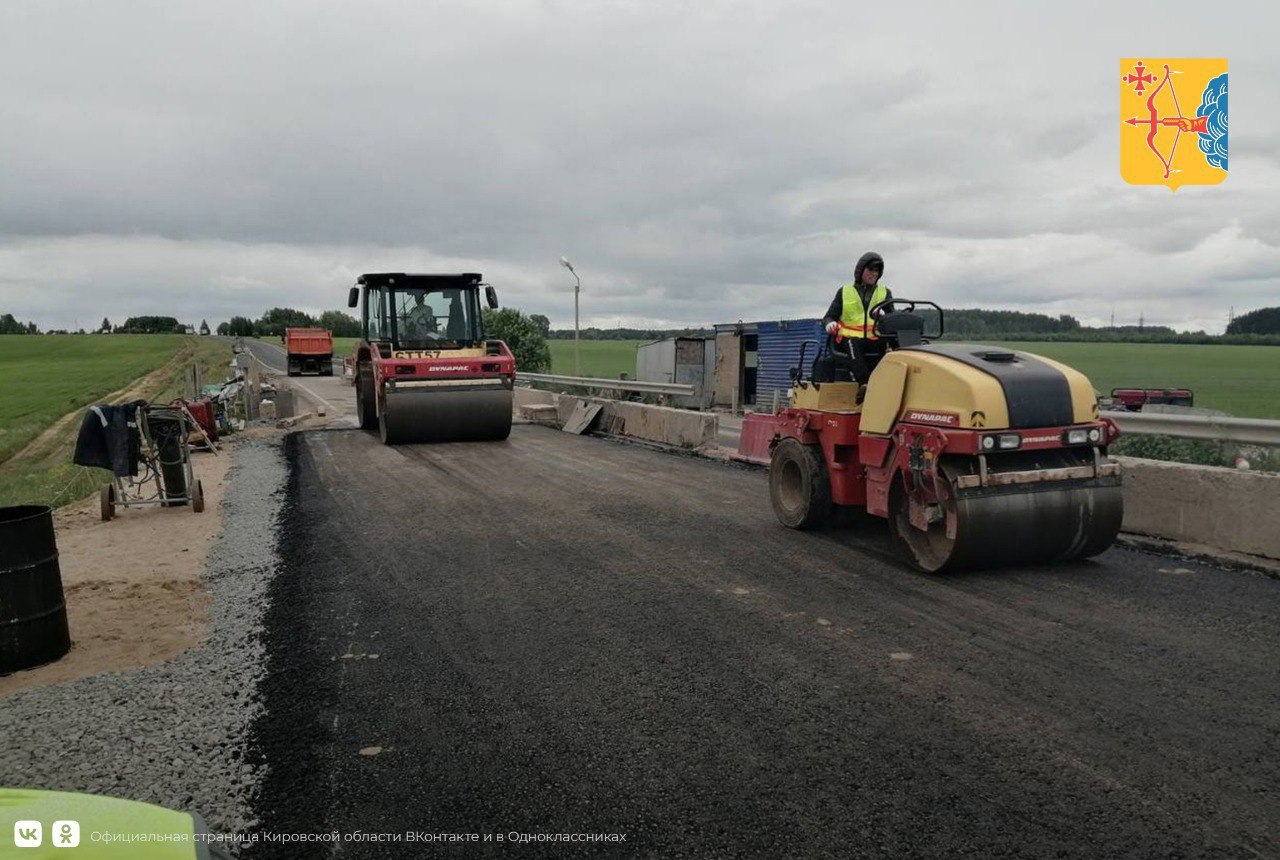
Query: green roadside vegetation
(45,379)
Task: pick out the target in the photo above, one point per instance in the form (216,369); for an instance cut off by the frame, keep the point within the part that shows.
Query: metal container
(33,611)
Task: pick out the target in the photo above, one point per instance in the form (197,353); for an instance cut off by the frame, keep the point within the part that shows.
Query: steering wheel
(906,306)
(423,322)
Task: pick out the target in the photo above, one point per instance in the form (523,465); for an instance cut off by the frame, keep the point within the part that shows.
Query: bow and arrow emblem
(1155,121)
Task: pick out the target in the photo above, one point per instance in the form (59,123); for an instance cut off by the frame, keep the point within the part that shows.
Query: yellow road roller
(979,456)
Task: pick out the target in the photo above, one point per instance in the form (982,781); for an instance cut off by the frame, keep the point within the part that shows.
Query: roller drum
(446,414)
(1024,524)
(1036,526)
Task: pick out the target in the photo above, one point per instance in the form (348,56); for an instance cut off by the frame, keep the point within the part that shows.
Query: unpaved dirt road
(559,634)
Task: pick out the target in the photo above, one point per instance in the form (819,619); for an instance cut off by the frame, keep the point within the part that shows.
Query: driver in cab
(420,320)
(850,315)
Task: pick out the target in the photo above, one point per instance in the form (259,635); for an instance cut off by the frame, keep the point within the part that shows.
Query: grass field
(1239,380)
(600,358)
(43,379)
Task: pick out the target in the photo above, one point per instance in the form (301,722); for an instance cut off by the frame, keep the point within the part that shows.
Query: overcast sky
(698,162)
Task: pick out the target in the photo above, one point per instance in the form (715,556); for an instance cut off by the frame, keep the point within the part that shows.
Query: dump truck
(310,350)
(977,456)
(424,370)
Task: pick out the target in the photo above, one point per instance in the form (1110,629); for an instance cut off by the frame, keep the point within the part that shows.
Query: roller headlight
(1095,435)
(988,442)
(1078,437)
(1008,441)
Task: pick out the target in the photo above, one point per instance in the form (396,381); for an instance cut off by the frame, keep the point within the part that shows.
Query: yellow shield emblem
(1173,121)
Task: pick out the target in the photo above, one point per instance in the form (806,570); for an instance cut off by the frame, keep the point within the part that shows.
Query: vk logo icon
(27,834)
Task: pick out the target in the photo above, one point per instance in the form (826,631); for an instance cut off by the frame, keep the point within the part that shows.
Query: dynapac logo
(452,367)
(947,418)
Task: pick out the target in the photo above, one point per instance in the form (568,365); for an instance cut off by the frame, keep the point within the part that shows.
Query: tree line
(275,321)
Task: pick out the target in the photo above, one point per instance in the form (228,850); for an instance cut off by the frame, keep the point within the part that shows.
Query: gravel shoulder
(173,734)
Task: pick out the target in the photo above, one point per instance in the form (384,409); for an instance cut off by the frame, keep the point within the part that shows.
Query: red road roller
(424,370)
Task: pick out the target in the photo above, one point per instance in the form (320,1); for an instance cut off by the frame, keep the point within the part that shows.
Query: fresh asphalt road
(560,634)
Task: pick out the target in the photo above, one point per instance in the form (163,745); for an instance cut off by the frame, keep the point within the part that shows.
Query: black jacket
(109,439)
(837,304)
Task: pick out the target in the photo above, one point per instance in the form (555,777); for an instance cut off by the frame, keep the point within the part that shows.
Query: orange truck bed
(310,350)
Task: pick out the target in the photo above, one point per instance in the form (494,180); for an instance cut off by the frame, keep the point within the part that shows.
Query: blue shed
(778,352)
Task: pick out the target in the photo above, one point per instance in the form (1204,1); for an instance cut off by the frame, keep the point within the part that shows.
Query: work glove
(833,327)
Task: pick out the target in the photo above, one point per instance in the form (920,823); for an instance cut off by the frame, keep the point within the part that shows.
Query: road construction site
(611,633)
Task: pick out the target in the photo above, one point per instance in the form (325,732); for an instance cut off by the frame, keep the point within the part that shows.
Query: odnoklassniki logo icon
(1173,114)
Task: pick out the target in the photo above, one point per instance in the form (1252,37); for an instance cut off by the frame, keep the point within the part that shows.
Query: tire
(106,500)
(798,485)
(197,497)
(366,399)
(384,432)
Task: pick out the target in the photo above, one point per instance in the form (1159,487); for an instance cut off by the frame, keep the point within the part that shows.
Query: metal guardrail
(610,384)
(1246,431)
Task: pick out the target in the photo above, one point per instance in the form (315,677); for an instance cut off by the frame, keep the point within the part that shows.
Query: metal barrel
(33,610)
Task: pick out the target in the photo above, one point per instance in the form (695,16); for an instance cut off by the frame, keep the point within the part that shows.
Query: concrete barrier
(1221,508)
(680,428)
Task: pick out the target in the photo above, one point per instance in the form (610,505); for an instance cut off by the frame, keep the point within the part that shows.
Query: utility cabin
(736,362)
(682,361)
(754,360)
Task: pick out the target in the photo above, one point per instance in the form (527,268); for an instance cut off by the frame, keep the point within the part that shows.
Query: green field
(1240,380)
(43,378)
(600,358)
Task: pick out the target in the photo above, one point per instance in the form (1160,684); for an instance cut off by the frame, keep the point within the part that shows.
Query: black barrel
(167,430)
(33,611)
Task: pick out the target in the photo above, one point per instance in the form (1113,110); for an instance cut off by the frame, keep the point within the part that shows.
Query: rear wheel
(366,399)
(798,485)
(197,497)
(107,502)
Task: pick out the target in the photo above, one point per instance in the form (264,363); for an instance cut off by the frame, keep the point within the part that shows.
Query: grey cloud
(699,163)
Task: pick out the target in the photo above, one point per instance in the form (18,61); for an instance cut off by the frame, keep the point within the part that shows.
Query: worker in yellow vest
(850,315)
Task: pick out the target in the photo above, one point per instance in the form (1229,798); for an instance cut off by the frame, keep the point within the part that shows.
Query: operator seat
(904,329)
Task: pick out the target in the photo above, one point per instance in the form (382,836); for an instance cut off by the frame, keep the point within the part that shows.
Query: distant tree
(522,335)
(1261,321)
(276,320)
(151,325)
(204,327)
(542,323)
(240,327)
(31,328)
(9,325)
(339,324)
(224,329)
(105,328)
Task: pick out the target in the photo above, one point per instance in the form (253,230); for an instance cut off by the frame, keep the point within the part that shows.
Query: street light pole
(577,288)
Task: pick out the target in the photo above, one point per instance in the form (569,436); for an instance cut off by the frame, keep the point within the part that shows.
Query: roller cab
(978,456)
(425,372)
